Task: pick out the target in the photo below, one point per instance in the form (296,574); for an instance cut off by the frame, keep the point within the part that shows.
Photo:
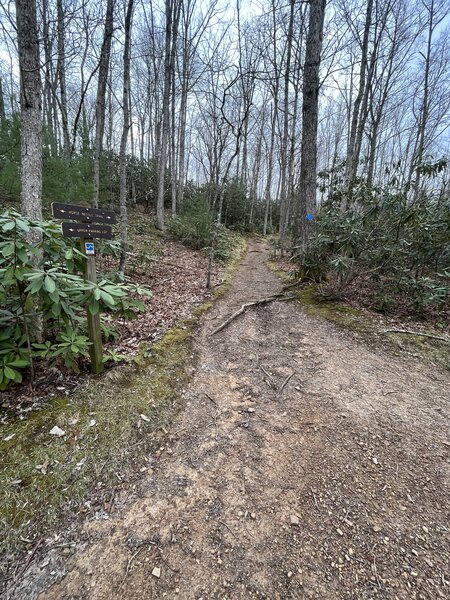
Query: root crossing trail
(304,465)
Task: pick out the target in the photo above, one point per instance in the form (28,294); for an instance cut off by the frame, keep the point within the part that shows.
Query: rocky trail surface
(304,464)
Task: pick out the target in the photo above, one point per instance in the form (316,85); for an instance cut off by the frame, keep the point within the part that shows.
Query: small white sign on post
(89,248)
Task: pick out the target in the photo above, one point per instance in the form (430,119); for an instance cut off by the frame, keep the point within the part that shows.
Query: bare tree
(311,85)
(172,14)
(124,139)
(31,110)
(100,107)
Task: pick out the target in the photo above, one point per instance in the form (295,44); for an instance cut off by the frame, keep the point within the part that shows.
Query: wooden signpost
(95,223)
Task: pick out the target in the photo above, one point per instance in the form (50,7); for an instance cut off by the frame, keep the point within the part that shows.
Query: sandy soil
(334,487)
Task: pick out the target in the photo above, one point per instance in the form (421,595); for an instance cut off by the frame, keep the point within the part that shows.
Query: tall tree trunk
(311,85)
(48,106)
(61,75)
(100,106)
(162,159)
(172,18)
(419,147)
(352,153)
(284,208)
(31,128)
(124,140)
(173,150)
(2,104)
(268,192)
(182,134)
(30,102)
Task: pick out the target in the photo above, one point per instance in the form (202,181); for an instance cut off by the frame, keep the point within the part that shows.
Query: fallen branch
(279,297)
(418,333)
(285,382)
(127,571)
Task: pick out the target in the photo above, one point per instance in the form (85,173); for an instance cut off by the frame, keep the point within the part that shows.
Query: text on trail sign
(83,213)
(87,230)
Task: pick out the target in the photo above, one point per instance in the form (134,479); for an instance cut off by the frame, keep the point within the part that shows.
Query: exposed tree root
(418,333)
(244,307)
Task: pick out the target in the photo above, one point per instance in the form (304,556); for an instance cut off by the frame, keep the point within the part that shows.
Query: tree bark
(352,153)
(124,140)
(311,85)
(100,107)
(30,102)
(61,76)
(284,204)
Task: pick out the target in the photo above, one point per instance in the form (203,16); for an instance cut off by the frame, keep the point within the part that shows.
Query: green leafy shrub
(44,298)
(194,225)
(401,246)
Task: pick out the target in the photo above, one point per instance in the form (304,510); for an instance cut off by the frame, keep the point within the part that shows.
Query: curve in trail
(333,486)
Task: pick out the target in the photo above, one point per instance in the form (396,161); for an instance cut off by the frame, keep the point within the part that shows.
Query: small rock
(57,431)
(290,574)
(425,529)
(294,520)
(376,528)
(340,532)
(66,552)
(251,410)
(375,461)
(156,572)
(253,516)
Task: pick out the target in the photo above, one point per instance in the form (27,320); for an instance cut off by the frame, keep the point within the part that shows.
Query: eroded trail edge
(304,465)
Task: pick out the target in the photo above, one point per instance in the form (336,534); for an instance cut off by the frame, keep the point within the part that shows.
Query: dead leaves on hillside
(177,280)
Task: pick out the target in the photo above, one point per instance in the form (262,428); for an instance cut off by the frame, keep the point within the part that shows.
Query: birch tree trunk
(100,107)
(311,85)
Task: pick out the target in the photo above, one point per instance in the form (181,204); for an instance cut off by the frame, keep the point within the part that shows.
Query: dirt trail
(335,487)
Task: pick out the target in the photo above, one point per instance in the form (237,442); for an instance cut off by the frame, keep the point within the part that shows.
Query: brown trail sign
(87,230)
(83,213)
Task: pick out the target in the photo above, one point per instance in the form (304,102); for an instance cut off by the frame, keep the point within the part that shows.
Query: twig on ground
(418,333)
(209,398)
(230,530)
(285,382)
(314,498)
(30,558)
(127,571)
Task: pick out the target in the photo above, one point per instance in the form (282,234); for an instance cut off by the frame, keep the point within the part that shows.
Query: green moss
(270,264)
(43,477)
